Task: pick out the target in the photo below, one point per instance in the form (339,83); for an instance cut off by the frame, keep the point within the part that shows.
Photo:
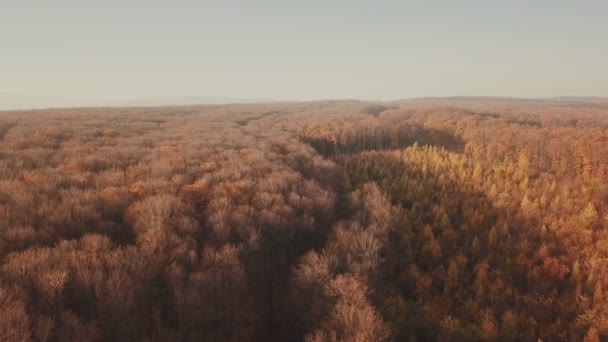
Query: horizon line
(222,100)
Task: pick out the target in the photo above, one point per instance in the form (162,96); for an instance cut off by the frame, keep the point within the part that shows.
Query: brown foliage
(324,221)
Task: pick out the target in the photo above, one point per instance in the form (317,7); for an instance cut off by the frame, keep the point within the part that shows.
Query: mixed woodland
(422,220)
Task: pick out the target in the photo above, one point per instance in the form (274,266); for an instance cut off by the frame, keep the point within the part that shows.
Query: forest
(463,219)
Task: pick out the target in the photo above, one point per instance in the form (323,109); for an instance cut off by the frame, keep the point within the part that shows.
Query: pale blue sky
(303,49)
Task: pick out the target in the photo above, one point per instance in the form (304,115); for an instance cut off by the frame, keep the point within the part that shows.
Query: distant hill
(18,101)
(481,102)
(590,99)
(187,100)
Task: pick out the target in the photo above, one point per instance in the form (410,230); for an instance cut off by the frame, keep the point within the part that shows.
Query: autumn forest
(463,219)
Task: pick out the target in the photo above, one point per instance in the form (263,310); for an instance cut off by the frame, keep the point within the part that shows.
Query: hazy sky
(302,50)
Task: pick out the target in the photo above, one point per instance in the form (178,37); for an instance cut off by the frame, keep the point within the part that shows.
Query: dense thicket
(324,221)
